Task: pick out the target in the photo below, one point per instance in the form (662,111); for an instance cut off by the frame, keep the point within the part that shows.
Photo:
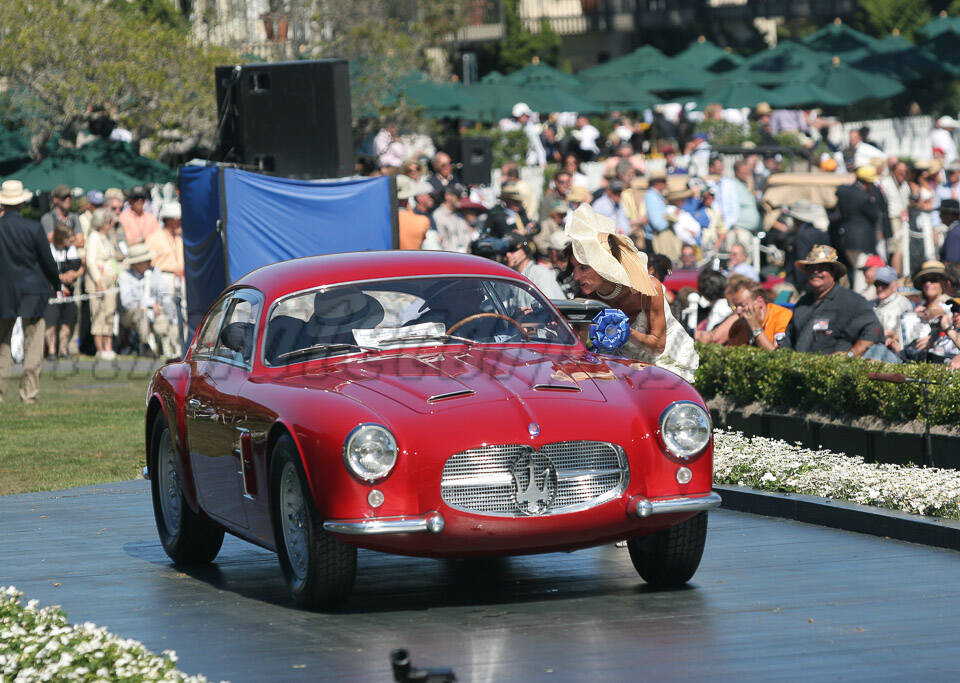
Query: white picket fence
(905,137)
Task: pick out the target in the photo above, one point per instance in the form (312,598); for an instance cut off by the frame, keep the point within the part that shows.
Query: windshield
(391,314)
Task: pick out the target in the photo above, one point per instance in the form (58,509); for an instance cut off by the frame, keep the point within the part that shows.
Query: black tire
(321,573)
(669,558)
(187,537)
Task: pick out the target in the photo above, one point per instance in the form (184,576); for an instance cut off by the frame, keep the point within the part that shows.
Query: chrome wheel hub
(168,485)
(293,513)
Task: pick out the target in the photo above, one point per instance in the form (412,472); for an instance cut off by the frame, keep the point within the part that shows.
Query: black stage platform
(773,600)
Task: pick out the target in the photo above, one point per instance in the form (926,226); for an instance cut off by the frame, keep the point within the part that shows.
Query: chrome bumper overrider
(638,506)
(431,522)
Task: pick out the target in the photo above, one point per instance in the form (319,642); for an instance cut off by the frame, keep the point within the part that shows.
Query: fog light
(684,475)
(375,498)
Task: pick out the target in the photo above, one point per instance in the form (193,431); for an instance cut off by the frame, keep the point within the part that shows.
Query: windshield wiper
(317,348)
(428,337)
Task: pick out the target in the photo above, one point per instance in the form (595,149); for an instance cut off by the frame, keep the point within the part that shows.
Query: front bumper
(638,506)
(431,522)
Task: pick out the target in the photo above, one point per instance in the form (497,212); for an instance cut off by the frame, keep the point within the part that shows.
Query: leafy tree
(880,17)
(520,46)
(386,42)
(75,58)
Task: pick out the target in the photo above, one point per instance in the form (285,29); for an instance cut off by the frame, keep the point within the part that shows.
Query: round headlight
(685,428)
(370,452)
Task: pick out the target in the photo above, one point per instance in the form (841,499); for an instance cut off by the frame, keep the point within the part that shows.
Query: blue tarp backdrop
(265,219)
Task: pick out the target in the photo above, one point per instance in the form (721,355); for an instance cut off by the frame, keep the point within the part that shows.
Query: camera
(490,246)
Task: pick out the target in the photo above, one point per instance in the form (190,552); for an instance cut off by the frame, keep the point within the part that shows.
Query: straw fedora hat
(12,193)
(138,254)
(930,270)
(589,234)
(676,194)
(821,253)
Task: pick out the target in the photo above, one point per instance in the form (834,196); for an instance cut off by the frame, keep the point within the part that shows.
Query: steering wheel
(476,316)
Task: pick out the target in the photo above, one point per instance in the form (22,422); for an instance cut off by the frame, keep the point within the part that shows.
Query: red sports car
(421,403)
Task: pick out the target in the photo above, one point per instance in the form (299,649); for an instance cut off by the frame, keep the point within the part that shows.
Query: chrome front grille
(486,480)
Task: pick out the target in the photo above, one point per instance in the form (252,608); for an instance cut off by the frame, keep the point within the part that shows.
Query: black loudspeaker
(474,157)
(287,119)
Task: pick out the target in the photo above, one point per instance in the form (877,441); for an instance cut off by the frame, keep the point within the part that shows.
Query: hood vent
(556,387)
(450,395)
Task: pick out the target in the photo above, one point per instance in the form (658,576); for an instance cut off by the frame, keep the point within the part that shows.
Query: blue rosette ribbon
(610,330)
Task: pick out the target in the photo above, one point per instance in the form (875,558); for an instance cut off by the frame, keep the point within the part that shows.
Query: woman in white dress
(608,266)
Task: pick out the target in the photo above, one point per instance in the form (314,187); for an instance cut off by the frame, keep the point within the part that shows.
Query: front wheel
(318,568)
(670,558)
(186,537)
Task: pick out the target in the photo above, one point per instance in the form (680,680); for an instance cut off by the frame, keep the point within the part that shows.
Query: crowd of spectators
(871,274)
(119,257)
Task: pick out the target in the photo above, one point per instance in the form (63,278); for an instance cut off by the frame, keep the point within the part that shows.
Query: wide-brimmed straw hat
(822,254)
(806,211)
(589,234)
(12,193)
(578,193)
(930,270)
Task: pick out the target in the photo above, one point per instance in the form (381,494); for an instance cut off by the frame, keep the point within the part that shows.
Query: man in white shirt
(536,154)
(587,135)
(941,139)
(140,308)
(890,305)
(896,189)
(863,152)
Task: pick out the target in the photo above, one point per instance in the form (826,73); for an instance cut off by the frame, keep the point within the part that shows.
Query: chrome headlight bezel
(666,432)
(352,459)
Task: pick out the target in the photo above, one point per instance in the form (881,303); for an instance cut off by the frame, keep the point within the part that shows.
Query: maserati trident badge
(534,483)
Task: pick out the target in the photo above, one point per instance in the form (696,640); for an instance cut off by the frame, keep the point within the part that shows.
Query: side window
(207,339)
(237,337)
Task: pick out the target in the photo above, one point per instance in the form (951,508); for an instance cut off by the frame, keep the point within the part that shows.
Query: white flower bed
(41,645)
(775,465)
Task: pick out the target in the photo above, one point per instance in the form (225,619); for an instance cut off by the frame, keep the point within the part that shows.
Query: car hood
(432,382)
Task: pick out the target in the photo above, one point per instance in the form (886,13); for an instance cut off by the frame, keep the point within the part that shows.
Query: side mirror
(238,337)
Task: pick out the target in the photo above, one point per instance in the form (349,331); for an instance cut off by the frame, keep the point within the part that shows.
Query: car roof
(295,275)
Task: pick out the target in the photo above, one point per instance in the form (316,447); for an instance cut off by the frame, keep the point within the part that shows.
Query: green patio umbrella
(800,94)
(898,58)
(941,24)
(444,100)
(703,54)
(788,61)
(946,47)
(121,156)
(71,168)
(542,75)
(496,100)
(854,84)
(616,94)
(734,94)
(839,39)
(644,58)
(493,77)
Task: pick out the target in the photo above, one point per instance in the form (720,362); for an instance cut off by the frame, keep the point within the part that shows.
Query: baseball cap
(885,276)
(95,197)
(61,191)
(873,261)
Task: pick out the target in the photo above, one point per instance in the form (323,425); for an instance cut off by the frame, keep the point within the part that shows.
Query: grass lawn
(85,428)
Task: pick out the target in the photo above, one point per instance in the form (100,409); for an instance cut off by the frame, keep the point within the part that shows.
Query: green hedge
(835,385)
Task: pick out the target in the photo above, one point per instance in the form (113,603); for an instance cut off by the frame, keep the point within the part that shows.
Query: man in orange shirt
(412,226)
(766,322)
(137,224)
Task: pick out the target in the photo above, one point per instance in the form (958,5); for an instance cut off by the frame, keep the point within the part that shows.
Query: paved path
(773,600)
